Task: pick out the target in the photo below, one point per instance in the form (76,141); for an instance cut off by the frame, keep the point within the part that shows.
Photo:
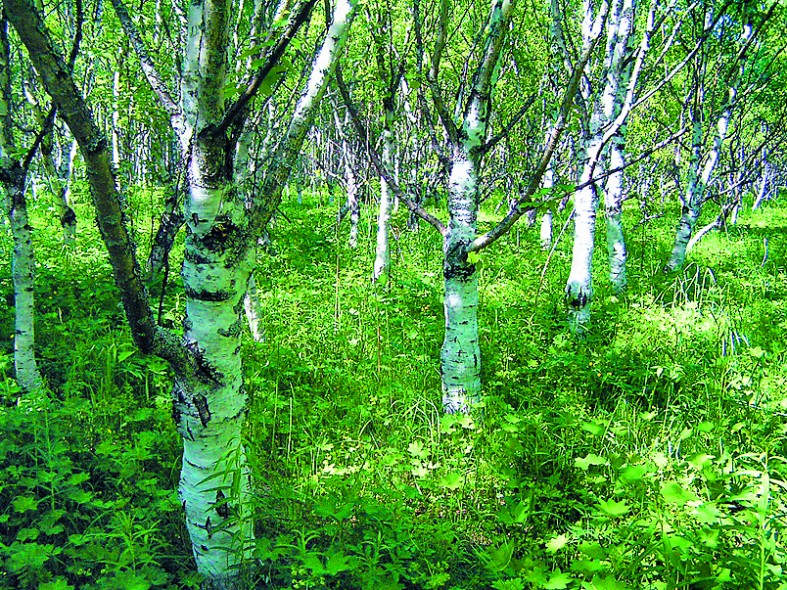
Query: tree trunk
(460,355)
(382,256)
(28,376)
(613,206)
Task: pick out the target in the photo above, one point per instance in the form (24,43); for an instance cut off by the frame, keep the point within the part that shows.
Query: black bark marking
(195,257)
(201,403)
(207,295)
(203,369)
(222,508)
(209,528)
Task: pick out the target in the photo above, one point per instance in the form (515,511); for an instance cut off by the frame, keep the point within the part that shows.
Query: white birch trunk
(613,206)
(693,202)
(12,176)
(28,376)
(353,205)
(690,209)
(210,410)
(763,191)
(382,256)
(116,123)
(579,287)
(694,199)
(460,355)
(545,231)
(253,309)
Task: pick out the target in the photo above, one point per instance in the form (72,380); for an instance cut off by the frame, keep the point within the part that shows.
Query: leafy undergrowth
(649,455)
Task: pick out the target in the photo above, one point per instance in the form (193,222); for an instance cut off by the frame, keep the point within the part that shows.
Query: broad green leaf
(555,544)
(416,449)
(451,480)
(593,428)
(23,504)
(585,462)
(675,494)
(337,563)
(558,581)
(499,559)
(614,508)
(58,584)
(633,473)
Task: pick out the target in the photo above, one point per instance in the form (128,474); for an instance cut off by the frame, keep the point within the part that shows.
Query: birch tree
(462,142)
(223,228)
(14,168)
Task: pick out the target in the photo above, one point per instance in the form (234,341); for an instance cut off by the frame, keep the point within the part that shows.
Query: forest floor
(651,454)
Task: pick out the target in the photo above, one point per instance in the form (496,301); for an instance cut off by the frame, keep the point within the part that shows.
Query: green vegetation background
(650,455)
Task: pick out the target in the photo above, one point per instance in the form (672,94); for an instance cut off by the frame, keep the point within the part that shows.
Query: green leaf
(22,504)
(473,257)
(510,584)
(673,493)
(499,559)
(558,581)
(757,352)
(451,480)
(124,354)
(556,543)
(337,563)
(613,508)
(129,581)
(605,583)
(26,534)
(416,449)
(57,584)
(585,462)
(593,428)
(633,473)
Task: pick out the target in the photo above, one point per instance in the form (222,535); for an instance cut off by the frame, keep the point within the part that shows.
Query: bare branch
(382,170)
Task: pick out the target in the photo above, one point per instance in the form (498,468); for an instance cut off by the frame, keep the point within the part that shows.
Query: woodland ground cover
(650,454)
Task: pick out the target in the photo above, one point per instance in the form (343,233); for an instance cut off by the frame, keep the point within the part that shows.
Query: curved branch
(148,67)
(237,108)
(59,83)
(382,170)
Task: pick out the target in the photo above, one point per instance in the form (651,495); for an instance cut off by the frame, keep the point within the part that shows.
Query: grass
(650,455)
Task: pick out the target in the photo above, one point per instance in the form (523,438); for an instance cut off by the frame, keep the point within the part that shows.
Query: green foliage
(650,455)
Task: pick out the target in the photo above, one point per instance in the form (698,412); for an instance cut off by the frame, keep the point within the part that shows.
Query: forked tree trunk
(208,392)
(12,176)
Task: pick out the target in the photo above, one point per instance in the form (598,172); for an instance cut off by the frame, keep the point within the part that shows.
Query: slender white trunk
(382,257)
(254,311)
(545,232)
(66,171)
(763,191)
(613,205)
(116,122)
(28,376)
(352,199)
(579,287)
(692,207)
(695,194)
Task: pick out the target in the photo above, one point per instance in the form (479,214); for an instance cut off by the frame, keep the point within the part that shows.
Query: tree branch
(156,83)
(382,170)
(273,58)
(111,221)
(524,204)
